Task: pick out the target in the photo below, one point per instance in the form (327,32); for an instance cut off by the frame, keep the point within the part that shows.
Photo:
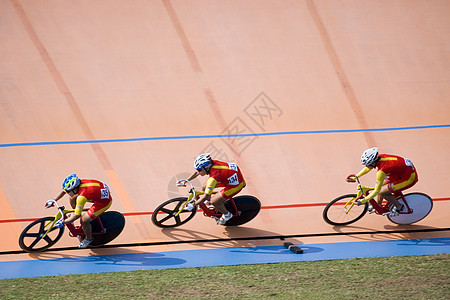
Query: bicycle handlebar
(60,208)
(182,182)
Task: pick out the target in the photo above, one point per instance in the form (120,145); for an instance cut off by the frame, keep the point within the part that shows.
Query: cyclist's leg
(380,198)
(218,200)
(386,194)
(94,211)
(388,191)
(86,224)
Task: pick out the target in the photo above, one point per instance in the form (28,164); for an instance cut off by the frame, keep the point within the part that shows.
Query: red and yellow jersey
(392,170)
(91,190)
(395,167)
(223,174)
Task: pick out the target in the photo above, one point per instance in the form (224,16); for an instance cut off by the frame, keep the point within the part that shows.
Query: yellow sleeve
(363,172)
(380,179)
(210,185)
(81,201)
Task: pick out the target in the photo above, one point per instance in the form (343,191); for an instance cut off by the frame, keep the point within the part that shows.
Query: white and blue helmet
(203,161)
(369,156)
(71,182)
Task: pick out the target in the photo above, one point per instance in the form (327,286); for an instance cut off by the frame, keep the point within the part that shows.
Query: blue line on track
(220,257)
(215,136)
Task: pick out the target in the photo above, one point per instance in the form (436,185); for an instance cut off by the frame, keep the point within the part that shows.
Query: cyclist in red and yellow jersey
(221,174)
(394,174)
(81,191)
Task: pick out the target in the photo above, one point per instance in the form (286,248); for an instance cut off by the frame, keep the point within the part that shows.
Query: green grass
(412,277)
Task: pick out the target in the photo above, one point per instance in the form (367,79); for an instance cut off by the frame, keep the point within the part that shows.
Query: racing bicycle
(345,210)
(172,213)
(42,233)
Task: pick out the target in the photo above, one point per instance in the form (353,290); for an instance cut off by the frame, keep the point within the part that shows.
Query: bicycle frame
(209,211)
(74,230)
(380,209)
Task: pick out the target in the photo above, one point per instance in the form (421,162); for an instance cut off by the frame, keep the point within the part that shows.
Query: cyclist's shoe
(224,218)
(85,243)
(80,238)
(395,211)
(370,209)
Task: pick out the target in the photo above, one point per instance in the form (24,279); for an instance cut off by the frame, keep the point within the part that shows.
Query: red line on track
(130,214)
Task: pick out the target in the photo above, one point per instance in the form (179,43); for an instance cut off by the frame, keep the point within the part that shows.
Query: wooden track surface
(129,92)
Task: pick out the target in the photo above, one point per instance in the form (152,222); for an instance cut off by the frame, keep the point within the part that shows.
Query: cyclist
(394,174)
(81,191)
(221,174)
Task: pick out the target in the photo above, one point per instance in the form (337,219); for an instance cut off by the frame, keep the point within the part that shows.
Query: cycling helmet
(369,156)
(203,161)
(71,182)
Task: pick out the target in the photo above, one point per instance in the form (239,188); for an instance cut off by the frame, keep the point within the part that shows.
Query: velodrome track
(129,92)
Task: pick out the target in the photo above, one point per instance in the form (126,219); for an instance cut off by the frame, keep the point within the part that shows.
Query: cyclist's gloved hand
(59,224)
(180,183)
(351,178)
(49,203)
(190,206)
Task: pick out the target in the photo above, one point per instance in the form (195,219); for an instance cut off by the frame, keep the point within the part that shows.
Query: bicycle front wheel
(31,239)
(420,204)
(334,213)
(165,215)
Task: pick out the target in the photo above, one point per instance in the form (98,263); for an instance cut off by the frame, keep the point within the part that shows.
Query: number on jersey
(409,163)
(233,180)
(105,192)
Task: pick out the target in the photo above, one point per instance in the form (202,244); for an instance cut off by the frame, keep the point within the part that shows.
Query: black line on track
(280,237)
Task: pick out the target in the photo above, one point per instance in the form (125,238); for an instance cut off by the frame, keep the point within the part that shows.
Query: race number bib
(105,192)
(233,180)
(409,163)
(232,166)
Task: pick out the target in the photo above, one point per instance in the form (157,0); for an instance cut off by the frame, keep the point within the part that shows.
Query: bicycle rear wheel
(113,222)
(31,240)
(248,206)
(164,215)
(421,205)
(334,213)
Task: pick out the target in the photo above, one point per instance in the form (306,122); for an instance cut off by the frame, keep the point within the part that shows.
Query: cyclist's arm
(60,195)
(193,176)
(363,172)
(211,184)
(380,179)
(81,201)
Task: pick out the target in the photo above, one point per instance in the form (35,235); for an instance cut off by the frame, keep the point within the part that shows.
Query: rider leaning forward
(81,191)
(394,174)
(221,174)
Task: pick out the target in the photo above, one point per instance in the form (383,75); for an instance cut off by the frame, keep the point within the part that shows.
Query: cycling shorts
(230,191)
(98,208)
(400,185)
